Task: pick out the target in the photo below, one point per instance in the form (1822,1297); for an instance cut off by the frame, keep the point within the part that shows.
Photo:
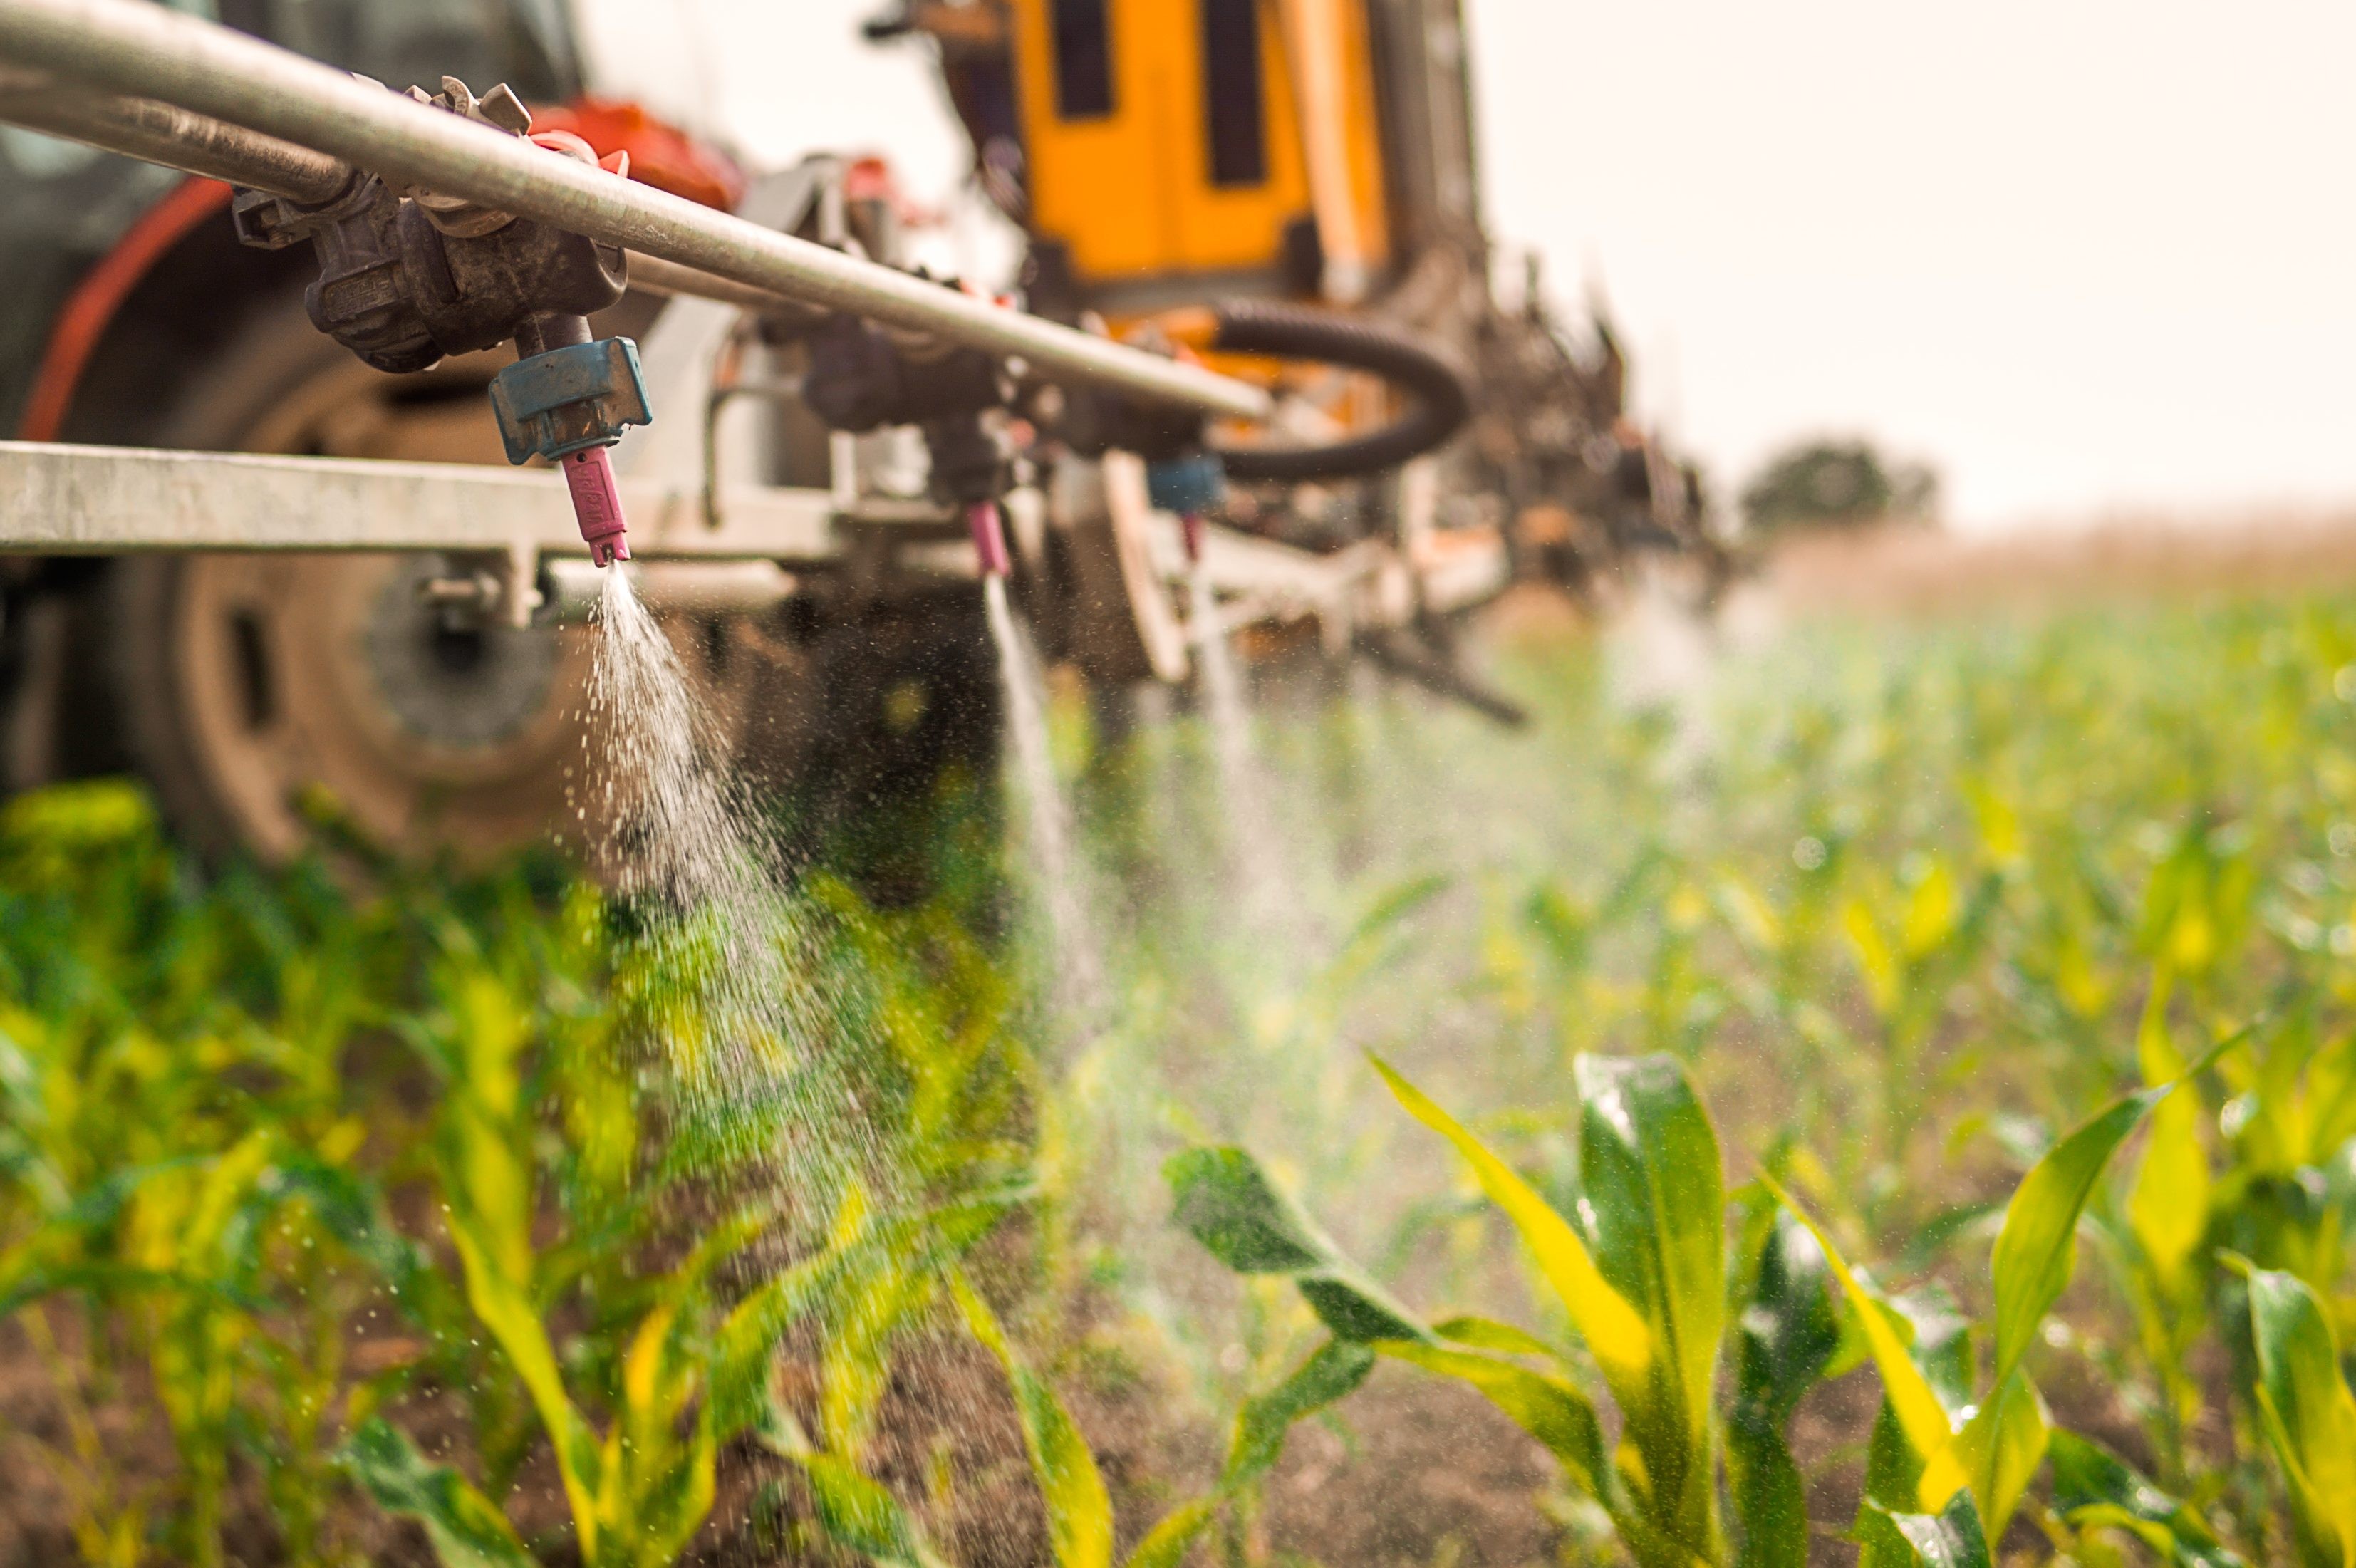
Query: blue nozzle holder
(570,398)
(1194,484)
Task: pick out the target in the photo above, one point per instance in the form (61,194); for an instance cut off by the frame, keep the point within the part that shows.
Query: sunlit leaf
(2167,1206)
(1920,1415)
(1614,1330)
(2002,1446)
(2038,1249)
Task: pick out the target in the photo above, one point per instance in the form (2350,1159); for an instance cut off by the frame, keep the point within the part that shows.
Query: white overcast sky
(2080,254)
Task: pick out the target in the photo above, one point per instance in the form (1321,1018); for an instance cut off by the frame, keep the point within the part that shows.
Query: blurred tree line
(1839,483)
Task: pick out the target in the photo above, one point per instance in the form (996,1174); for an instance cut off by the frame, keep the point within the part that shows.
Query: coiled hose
(1441,389)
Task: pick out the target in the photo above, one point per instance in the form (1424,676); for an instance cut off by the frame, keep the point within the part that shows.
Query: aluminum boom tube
(146,51)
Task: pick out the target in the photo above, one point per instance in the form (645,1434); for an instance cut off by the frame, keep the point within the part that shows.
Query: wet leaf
(1786,1336)
(1949,1539)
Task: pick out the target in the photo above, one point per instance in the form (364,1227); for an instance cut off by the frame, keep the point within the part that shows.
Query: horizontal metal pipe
(147,51)
(659,277)
(176,138)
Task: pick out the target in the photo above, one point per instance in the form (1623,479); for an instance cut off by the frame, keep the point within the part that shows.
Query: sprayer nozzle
(989,538)
(597,505)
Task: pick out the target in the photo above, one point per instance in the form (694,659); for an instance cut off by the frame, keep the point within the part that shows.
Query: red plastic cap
(989,539)
(597,505)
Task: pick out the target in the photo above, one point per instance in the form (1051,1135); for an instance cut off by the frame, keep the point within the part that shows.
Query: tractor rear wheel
(255,689)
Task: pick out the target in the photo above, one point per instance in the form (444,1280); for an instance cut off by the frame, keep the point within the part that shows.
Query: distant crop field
(1909,570)
(1887,1094)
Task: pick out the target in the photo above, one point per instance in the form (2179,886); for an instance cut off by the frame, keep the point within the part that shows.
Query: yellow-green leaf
(2168,1208)
(2307,1411)
(2002,1445)
(1080,1510)
(1921,1417)
(2038,1249)
(1614,1331)
(1165,1545)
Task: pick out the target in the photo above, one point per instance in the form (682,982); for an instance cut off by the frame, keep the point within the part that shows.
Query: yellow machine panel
(1163,139)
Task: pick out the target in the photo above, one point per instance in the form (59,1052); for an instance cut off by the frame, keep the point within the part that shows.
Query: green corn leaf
(1561,1418)
(1614,1331)
(1079,1509)
(2038,1249)
(861,1515)
(1227,1203)
(2307,1411)
(466,1529)
(1951,1538)
(1486,1333)
(1914,1406)
(1785,1337)
(2094,1488)
(1649,1172)
(2002,1445)
(1331,1373)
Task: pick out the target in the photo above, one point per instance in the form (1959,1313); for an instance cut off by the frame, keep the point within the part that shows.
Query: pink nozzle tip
(1190,529)
(989,539)
(597,505)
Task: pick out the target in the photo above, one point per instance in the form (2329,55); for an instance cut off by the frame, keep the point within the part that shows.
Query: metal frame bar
(147,51)
(57,499)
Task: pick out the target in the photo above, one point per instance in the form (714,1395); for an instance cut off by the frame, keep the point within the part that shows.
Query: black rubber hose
(1441,389)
